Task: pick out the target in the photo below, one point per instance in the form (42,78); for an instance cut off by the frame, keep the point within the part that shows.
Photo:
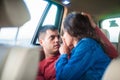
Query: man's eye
(52,37)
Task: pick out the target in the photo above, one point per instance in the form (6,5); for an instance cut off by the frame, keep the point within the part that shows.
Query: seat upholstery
(106,33)
(119,43)
(19,63)
(4,51)
(113,70)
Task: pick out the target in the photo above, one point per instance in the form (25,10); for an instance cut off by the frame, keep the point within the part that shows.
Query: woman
(87,60)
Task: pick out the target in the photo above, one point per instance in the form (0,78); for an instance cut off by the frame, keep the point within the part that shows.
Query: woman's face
(68,39)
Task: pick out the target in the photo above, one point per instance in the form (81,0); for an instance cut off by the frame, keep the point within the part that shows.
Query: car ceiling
(98,8)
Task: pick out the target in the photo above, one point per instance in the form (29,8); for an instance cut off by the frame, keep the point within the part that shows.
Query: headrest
(13,13)
(105,31)
(119,37)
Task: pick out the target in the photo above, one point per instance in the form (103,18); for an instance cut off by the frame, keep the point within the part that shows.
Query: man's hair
(45,28)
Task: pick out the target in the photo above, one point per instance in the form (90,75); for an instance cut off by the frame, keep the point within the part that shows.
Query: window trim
(58,20)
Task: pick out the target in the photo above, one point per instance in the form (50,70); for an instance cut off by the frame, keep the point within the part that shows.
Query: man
(49,40)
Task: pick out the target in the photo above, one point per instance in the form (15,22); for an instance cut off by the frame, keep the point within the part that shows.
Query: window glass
(52,12)
(25,33)
(113,27)
(8,35)
(42,12)
(36,9)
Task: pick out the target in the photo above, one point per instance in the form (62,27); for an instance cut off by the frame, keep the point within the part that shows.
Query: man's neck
(48,55)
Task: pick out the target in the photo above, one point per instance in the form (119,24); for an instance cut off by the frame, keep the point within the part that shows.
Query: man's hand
(93,24)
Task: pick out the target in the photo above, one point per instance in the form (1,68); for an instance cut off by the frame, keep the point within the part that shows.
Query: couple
(84,54)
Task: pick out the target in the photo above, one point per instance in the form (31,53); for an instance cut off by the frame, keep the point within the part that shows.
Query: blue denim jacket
(87,61)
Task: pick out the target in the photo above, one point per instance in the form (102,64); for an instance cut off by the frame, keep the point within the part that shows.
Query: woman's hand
(64,49)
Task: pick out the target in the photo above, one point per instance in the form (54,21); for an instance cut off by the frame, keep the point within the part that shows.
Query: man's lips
(56,46)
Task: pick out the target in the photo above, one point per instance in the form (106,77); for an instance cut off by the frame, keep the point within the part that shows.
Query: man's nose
(56,39)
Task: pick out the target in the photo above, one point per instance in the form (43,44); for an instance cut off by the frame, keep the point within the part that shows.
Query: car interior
(16,62)
(21,20)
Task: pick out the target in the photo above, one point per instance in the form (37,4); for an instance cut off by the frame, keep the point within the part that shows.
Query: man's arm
(109,48)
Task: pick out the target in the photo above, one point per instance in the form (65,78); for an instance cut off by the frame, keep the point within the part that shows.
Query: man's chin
(56,50)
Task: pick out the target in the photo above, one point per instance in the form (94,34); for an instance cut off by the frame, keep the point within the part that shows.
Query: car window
(42,12)
(8,35)
(113,27)
(52,12)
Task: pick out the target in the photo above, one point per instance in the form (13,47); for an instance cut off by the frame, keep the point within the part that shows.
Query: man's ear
(41,42)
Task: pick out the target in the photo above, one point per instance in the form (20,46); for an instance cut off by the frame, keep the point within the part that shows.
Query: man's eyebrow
(53,36)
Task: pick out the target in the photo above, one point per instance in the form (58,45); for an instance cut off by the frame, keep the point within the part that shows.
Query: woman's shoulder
(88,40)
(86,43)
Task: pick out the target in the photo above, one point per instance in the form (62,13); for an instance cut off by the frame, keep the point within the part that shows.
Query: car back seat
(4,51)
(18,62)
(119,43)
(113,70)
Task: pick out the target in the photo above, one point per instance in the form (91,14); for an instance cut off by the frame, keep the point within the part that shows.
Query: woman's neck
(75,41)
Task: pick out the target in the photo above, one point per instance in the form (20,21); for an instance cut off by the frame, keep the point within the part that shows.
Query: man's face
(50,42)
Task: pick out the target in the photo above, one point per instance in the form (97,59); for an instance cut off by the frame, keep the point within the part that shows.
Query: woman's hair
(79,26)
